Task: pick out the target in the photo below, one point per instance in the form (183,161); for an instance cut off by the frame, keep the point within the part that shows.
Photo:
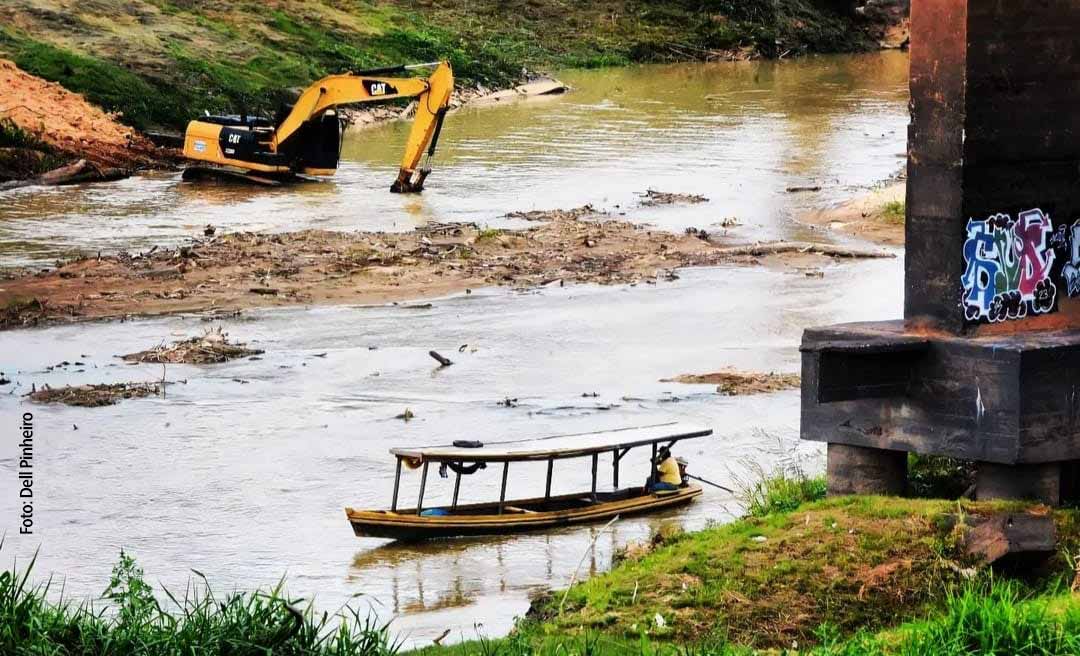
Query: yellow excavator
(306,138)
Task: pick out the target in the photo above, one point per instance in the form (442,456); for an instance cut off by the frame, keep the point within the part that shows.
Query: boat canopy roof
(556,446)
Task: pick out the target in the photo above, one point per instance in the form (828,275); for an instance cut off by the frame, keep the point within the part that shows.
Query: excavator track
(214,174)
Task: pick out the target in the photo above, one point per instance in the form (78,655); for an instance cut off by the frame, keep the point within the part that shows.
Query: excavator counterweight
(307,139)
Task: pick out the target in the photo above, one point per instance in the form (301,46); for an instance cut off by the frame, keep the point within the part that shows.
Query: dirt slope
(67,123)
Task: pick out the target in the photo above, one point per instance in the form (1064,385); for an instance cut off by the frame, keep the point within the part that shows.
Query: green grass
(24,155)
(609,32)
(987,615)
(853,564)
(929,477)
(488,234)
(823,577)
(997,617)
(984,617)
(894,212)
(767,581)
(133,621)
(783,491)
(592,644)
(925,611)
(12,136)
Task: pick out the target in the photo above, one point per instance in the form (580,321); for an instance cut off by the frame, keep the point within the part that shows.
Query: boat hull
(518,517)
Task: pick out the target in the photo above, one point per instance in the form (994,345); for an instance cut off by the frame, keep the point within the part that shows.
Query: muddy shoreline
(876,216)
(218,272)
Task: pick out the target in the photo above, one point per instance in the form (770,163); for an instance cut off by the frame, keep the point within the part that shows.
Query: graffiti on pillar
(1007,265)
(1068,241)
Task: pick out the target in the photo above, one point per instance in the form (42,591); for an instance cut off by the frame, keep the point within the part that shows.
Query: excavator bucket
(427,126)
(410,183)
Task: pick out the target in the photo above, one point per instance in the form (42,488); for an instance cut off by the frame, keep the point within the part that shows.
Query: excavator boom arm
(432,95)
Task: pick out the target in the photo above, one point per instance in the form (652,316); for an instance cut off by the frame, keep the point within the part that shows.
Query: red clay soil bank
(68,123)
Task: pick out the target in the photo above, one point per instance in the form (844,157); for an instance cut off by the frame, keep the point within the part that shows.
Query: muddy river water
(242,471)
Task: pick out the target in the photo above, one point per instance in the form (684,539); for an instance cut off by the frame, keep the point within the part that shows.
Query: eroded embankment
(225,272)
(45,126)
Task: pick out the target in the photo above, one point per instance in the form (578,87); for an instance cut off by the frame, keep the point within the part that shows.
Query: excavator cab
(306,138)
(316,146)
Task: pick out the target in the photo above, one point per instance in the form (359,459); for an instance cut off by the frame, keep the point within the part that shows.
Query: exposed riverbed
(243,469)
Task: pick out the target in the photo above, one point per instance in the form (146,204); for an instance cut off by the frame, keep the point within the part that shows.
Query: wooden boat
(512,516)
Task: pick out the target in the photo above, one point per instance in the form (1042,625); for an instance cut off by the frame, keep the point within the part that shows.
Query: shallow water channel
(242,471)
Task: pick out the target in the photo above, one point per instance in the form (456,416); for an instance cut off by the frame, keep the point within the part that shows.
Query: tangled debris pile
(231,271)
(731,382)
(20,312)
(652,198)
(212,348)
(94,396)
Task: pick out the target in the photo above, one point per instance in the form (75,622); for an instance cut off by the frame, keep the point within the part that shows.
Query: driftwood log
(75,173)
(780,247)
(442,360)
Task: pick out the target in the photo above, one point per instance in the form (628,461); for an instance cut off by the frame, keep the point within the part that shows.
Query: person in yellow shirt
(668,475)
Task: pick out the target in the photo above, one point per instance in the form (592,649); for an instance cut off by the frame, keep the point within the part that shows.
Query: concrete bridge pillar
(985,364)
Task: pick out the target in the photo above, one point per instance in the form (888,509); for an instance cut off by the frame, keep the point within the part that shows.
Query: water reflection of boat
(398,554)
(513,516)
(425,577)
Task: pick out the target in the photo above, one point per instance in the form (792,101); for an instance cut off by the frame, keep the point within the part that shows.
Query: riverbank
(44,127)
(848,575)
(236,271)
(876,216)
(158,63)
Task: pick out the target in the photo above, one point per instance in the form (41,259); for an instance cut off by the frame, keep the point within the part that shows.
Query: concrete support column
(862,470)
(993,169)
(1041,482)
(1070,482)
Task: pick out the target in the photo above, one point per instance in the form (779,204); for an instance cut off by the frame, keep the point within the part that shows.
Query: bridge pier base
(862,470)
(985,364)
(1041,482)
